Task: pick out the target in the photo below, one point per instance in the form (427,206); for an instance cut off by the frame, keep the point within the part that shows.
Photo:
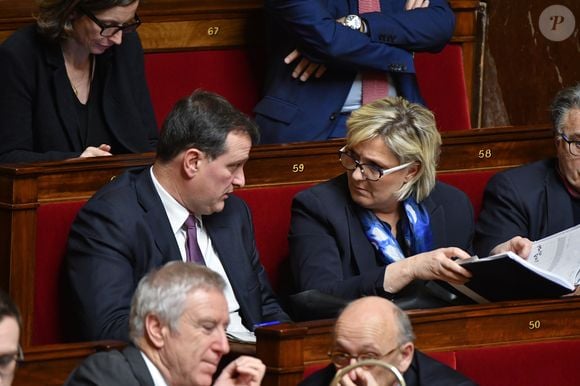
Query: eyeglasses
(7,359)
(573,146)
(342,359)
(108,30)
(368,171)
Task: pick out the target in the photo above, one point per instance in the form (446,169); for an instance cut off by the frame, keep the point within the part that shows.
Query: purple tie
(191,246)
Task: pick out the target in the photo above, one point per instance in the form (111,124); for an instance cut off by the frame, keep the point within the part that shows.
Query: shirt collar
(158,379)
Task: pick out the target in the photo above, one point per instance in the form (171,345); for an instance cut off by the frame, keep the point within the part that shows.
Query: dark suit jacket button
(332,116)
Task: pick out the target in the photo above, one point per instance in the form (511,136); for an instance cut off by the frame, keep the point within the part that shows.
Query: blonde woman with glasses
(385,227)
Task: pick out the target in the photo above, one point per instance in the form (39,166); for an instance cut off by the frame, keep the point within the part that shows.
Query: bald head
(375,327)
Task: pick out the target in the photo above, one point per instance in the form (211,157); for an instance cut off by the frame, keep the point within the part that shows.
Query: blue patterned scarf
(417,232)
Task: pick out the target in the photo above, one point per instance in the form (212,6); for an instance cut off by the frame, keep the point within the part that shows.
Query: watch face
(353,22)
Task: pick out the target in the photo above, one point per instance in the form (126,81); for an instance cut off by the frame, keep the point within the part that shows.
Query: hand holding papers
(551,270)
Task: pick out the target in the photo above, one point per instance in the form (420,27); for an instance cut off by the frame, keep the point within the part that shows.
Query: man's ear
(191,161)
(407,351)
(155,330)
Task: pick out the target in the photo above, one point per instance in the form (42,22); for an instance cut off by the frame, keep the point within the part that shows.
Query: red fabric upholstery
(531,364)
(51,315)
(237,75)
(270,209)
(442,84)
(172,75)
(446,357)
(472,182)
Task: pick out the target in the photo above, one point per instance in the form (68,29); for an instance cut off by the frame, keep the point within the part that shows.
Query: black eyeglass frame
(357,164)
(570,143)
(125,28)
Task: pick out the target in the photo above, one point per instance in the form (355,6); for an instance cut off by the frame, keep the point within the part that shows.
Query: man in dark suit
(136,222)
(321,48)
(536,200)
(375,328)
(178,319)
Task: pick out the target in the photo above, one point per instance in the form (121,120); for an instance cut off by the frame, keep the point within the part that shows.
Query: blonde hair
(409,131)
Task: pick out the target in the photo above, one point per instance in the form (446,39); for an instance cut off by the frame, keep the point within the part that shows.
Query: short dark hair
(565,100)
(53,19)
(203,121)
(8,308)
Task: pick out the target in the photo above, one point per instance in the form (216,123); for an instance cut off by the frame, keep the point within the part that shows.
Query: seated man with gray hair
(178,322)
(375,328)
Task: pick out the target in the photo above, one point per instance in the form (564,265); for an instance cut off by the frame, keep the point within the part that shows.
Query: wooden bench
(30,194)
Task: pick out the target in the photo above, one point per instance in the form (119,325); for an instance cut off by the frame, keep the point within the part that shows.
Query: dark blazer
(123,232)
(112,368)
(330,252)
(529,201)
(424,371)
(292,110)
(38,120)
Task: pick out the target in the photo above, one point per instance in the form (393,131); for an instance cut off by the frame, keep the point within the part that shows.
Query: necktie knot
(190,223)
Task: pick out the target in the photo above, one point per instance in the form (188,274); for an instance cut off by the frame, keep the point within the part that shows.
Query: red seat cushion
(442,83)
(52,316)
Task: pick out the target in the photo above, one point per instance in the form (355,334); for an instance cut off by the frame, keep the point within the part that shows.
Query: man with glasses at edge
(385,227)
(73,84)
(10,351)
(539,199)
(375,328)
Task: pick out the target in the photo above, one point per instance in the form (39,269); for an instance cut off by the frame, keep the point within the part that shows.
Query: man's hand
(414,4)
(518,245)
(305,68)
(91,151)
(358,377)
(244,371)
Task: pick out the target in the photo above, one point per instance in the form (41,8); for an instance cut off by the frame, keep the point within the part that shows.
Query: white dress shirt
(177,215)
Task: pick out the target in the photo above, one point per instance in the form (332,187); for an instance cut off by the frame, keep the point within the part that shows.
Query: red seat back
(52,317)
(442,83)
(271,210)
(230,73)
(472,182)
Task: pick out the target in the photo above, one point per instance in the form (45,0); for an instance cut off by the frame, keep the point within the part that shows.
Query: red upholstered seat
(530,364)
(442,84)
(270,207)
(231,73)
(472,182)
(52,316)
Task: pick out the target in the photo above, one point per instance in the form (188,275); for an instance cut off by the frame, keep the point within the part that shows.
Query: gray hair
(404,326)
(163,293)
(565,100)
(409,131)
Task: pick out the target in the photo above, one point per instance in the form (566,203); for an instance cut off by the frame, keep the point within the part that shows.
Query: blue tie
(191,246)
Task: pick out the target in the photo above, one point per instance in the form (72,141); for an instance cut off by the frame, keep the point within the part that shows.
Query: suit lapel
(558,205)
(64,97)
(138,366)
(156,217)
(436,223)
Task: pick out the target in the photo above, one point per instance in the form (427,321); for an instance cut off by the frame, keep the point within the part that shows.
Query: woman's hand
(91,151)
(433,265)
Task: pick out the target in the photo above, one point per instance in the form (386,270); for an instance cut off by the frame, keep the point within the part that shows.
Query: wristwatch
(353,22)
